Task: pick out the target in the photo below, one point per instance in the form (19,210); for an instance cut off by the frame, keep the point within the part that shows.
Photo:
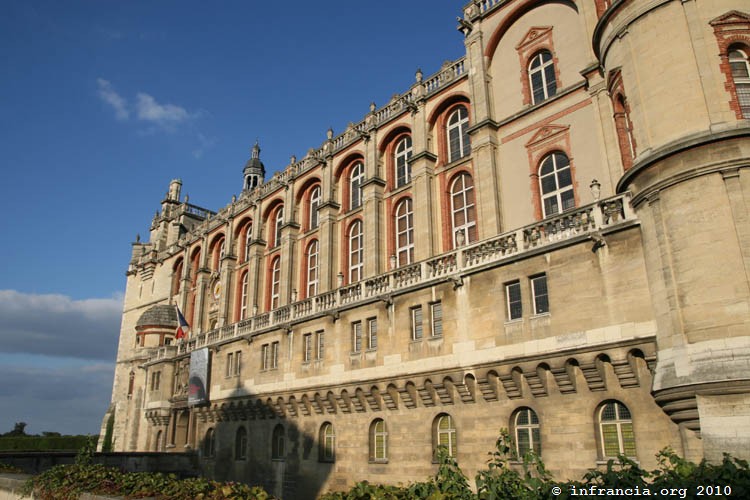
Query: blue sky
(102,103)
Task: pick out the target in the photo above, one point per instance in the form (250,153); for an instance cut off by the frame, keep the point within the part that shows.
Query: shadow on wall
(255,442)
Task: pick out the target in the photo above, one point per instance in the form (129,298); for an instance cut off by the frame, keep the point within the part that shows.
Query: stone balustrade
(589,221)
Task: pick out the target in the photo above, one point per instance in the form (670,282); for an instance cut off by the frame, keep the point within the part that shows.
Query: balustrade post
(598,215)
(627,208)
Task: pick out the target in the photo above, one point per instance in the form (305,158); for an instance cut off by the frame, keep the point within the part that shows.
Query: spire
(254,172)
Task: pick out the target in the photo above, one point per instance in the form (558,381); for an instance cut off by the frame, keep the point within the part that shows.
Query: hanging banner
(198,382)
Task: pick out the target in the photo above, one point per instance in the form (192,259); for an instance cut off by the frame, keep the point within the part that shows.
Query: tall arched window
(404,226)
(356,177)
(624,131)
(240,444)
(457,130)
(542,76)
(444,434)
(401,161)
(209,444)
(312,268)
(177,278)
(740,66)
(327,443)
(556,184)
(248,239)
(356,252)
(217,254)
(313,206)
(525,425)
(278,222)
(275,282)
(277,443)
(616,430)
(243,296)
(378,441)
(463,210)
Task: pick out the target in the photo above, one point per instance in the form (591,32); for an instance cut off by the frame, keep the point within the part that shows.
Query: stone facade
(548,235)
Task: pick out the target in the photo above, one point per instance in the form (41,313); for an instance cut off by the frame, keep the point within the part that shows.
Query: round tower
(684,137)
(254,172)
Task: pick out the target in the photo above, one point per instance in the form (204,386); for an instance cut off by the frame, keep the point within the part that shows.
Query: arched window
(209,444)
(278,222)
(277,443)
(356,177)
(275,282)
(378,441)
(312,268)
(444,434)
(616,430)
(248,239)
(624,131)
(313,206)
(463,210)
(404,226)
(177,278)
(401,161)
(542,77)
(556,184)
(525,425)
(217,254)
(240,444)
(327,443)
(740,66)
(356,252)
(457,131)
(243,296)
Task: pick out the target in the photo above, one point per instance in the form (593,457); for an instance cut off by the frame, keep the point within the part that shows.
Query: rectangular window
(275,355)
(513,299)
(307,343)
(436,319)
(230,362)
(539,291)
(320,344)
(237,362)
(372,333)
(357,336)
(264,357)
(416,323)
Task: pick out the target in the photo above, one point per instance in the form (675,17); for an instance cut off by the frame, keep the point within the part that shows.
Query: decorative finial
(373,107)
(419,75)
(256,150)
(187,198)
(329,133)
(234,198)
(137,237)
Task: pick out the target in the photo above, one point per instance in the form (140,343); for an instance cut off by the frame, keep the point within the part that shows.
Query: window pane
(611,441)
(563,177)
(548,184)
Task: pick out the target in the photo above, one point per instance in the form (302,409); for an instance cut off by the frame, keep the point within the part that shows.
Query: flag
(182,325)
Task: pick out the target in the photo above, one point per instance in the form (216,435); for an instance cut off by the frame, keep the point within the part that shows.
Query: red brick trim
(623,123)
(269,277)
(302,290)
(238,296)
(602,6)
(547,140)
(547,120)
(731,29)
(344,257)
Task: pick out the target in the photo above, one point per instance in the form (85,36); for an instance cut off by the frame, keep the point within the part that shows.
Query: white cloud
(204,144)
(163,115)
(56,325)
(108,95)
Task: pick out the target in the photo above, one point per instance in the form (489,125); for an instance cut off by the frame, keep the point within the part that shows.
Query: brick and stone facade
(585,258)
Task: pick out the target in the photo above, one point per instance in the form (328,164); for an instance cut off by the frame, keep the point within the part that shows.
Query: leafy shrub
(10,469)
(43,443)
(501,481)
(67,482)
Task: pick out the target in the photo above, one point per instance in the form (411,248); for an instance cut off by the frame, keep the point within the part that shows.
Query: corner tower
(688,170)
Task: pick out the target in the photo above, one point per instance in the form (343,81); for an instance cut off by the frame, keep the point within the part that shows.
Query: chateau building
(550,235)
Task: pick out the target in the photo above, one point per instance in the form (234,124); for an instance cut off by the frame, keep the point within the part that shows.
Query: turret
(254,171)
